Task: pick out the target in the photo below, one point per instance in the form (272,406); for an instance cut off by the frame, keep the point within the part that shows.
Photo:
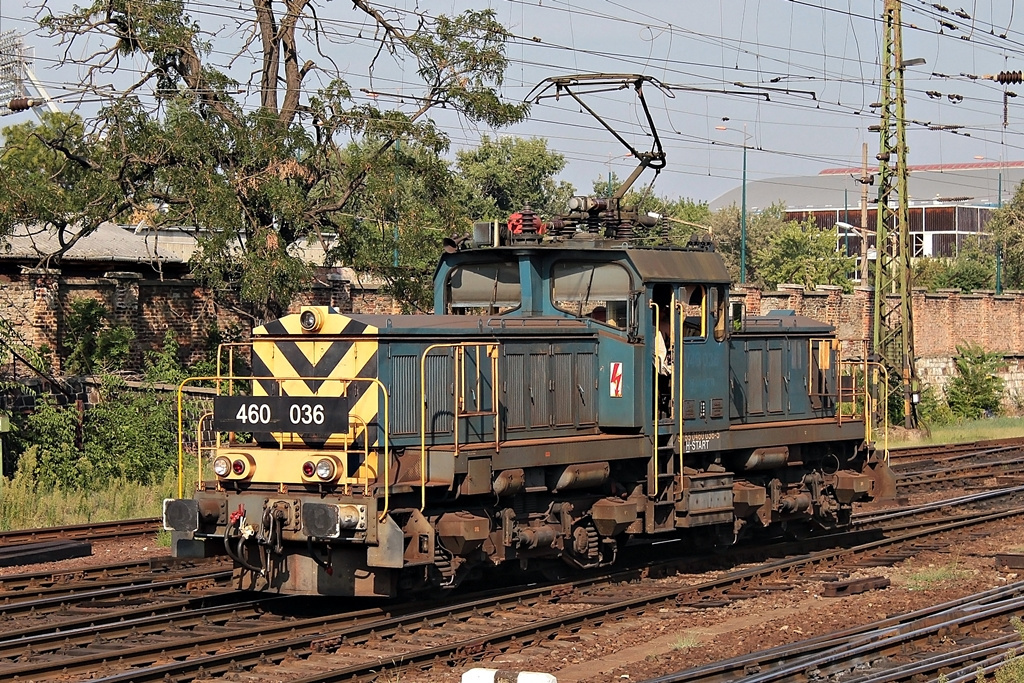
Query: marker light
(308,468)
(238,466)
(221,466)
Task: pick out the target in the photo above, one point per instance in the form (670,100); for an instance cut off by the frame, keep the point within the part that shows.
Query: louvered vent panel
(515,391)
(439,393)
(565,389)
(585,381)
(538,391)
(404,395)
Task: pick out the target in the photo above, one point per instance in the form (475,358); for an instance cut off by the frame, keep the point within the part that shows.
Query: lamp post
(743,206)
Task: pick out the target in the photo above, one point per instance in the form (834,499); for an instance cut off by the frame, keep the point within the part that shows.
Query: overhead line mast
(893,340)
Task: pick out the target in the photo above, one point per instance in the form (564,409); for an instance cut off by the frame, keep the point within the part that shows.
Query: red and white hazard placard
(615,388)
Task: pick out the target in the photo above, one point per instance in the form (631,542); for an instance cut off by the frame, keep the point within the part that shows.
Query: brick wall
(37,301)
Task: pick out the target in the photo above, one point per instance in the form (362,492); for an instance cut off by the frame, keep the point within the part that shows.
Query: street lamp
(743,206)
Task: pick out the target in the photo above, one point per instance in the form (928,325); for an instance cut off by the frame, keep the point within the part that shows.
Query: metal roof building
(950,204)
(108,247)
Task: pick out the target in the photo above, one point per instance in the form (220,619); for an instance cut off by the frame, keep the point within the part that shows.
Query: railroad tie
(503,676)
(854,586)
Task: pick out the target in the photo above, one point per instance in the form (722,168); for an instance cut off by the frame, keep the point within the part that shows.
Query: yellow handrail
(654,391)
(458,360)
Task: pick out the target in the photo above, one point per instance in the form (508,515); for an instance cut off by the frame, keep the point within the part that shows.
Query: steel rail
(240,658)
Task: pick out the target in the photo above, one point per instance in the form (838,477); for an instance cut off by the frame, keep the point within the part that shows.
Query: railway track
(901,648)
(90,532)
(357,644)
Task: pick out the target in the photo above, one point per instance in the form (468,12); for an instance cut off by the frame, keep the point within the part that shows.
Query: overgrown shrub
(932,410)
(129,435)
(975,390)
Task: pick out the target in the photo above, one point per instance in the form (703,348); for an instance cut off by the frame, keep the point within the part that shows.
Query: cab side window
(599,291)
(694,313)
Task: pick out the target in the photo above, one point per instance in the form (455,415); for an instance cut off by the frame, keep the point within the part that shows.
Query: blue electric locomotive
(573,390)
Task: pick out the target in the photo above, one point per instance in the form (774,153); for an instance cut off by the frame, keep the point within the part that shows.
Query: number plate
(298,414)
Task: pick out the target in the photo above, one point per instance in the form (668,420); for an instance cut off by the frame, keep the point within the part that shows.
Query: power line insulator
(23,103)
(1007,77)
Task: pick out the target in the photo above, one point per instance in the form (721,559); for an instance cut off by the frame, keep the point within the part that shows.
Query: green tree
(253,183)
(803,254)
(971,270)
(1007,226)
(502,175)
(975,390)
(725,224)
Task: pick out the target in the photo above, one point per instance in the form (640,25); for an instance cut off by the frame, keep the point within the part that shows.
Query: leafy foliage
(973,269)
(256,186)
(803,254)
(502,175)
(93,346)
(128,435)
(1007,226)
(975,390)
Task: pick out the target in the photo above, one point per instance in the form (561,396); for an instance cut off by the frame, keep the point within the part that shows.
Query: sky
(792,80)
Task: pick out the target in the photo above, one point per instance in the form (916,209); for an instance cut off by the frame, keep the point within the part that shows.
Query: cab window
(694,313)
(599,291)
(717,308)
(484,288)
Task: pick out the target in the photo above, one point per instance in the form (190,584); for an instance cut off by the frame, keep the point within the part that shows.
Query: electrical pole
(893,318)
(864,182)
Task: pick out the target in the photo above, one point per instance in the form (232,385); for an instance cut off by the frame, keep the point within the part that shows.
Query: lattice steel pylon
(16,74)
(893,339)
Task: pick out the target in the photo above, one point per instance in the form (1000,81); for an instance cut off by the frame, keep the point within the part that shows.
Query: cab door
(701,336)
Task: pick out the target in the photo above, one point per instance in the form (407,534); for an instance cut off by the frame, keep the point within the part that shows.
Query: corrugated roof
(108,242)
(964,184)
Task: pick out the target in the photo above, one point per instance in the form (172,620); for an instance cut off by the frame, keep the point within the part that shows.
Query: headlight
(325,469)
(311,320)
(221,466)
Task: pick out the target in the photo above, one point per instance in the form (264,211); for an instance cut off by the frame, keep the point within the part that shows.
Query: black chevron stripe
(275,327)
(304,368)
(355,392)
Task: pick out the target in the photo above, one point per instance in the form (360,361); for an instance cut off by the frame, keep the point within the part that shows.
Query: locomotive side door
(704,358)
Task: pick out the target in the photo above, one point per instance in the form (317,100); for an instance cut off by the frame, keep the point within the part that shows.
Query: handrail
(654,392)
(199,455)
(678,371)
(871,405)
(458,362)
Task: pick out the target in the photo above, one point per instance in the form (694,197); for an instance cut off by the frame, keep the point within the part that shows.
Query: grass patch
(686,641)
(24,506)
(962,432)
(935,577)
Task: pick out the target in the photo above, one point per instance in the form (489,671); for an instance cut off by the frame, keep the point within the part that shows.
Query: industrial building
(950,204)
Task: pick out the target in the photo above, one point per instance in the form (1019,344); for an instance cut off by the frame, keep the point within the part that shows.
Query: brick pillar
(795,294)
(341,292)
(45,316)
